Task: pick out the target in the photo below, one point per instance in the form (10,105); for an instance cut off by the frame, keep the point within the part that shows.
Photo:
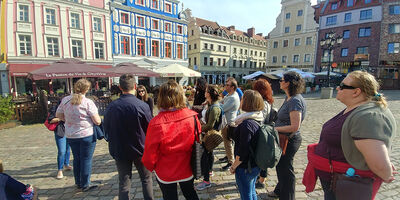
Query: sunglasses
(343,86)
(140,91)
(282,80)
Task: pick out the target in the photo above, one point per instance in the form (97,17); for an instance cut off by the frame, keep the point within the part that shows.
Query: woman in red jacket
(169,141)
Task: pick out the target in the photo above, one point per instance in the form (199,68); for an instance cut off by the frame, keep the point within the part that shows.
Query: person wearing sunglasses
(144,96)
(359,137)
(290,116)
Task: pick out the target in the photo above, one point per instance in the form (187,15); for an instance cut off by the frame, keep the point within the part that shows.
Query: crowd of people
(359,137)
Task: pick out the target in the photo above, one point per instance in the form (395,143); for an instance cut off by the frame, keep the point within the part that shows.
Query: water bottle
(350,172)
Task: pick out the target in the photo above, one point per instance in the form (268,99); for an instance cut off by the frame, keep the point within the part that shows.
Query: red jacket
(168,145)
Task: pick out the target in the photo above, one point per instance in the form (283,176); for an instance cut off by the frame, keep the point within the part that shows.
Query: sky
(243,14)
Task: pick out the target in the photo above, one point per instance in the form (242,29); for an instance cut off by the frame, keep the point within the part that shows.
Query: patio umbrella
(176,70)
(69,68)
(325,73)
(130,68)
(253,75)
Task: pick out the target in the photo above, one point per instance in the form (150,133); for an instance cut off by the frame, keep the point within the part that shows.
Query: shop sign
(361,57)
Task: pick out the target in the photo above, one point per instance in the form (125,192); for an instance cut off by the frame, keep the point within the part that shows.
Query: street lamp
(329,43)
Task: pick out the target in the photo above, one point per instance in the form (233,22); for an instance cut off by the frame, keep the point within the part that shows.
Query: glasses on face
(282,80)
(343,86)
(140,91)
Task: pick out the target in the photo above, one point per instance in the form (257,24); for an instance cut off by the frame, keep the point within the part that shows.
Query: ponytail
(380,100)
(80,88)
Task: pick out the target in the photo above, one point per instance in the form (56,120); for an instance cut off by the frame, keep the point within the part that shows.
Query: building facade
(40,32)
(149,30)
(219,52)
(293,40)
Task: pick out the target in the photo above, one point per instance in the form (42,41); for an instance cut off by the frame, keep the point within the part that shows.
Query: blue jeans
(246,182)
(82,149)
(63,151)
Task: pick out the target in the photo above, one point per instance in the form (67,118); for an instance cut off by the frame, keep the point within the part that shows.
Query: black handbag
(350,188)
(197,152)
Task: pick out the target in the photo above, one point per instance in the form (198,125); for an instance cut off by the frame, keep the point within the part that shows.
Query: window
(211,61)
(219,48)
(195,60)
(240,63)
(287,15)
(140,2)
(394,10)
(394,28)
(366,14)
(298,27)
(190,47)
(274,59)
(346,34)
(168,8)
(224,62)
(287,29)
(99,50)
(195,46)
(140,21)
(241,51)
(331,20)
(234,50)
(245,64)
(154,25)
(344,52)
(297,42)
(307,58)
(362,50)
(347,17)
(364,32)
(349,3)
(212,46)
(125,45)
(219,62)
(285,43)
(75,21)
(168,50)
(234,63)
(334,6)
(295,58)
(393,47)
(309,41)
(77,49)
(179,29)
(124,18)
(168,27)
(300,13)
(275,45)
(205,61)
(255,53)
(50,16)
(245,52)
(140,47)
(154,4)
(179,50)
(284,58)
(76,1)
(205,46)
(367,1)
(25,45)
(23,13)
(52,46)
(224,48)
(155,48)
(97,24)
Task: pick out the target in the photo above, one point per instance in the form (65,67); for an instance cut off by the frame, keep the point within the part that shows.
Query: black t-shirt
(243,136)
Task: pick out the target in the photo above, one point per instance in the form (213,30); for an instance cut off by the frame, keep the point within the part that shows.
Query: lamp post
(329,43)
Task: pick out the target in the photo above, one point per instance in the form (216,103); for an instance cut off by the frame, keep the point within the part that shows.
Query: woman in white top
(79,114)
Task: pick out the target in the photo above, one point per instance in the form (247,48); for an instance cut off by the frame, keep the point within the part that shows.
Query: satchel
(212,139)
(50,126)
(283,142)
(350,188)
(197,152)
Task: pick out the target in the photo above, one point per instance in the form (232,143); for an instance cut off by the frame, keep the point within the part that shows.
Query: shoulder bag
(197,152)
(50,126)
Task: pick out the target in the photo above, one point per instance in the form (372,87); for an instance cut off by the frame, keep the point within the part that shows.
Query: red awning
(23,69)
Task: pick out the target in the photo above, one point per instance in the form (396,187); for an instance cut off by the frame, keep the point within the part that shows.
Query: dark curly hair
(264,88)
(214,92)
(296,83)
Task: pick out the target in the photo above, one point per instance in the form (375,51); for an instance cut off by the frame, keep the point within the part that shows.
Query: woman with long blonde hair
(79,114)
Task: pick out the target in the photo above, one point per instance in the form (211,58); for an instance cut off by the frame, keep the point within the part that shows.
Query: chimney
(251,31)
(260,34)
(231,28)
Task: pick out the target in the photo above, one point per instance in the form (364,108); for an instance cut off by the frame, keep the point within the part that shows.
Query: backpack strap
(252,153)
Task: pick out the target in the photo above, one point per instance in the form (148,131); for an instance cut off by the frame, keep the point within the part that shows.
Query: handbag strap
(196,130)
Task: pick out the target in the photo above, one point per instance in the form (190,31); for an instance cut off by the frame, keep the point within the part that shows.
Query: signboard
(364,62)
(361,57)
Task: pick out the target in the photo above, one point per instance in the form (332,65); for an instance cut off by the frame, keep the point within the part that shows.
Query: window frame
(140,2)
(25,44)
(50,17)
(99,26)
(179,29)
(297,42)
(344,50)
(53,46)
(140,22)
(287,15)
(141,46)
(155,4)
(364,47)
(366,14)
(364,32)
(78,47)
(274,59)
(394,9)
(334,6)
(165,7)
(392,28)
(345,34)
(179,51)
(121,18)
(168,49)
(75,22)
(332,20)
(308,40)
(396,48)
(350,3)
(275,44)
(168,30)
(23,13)
(285,43)
(125,45)
(296,60)
(99,50)
(297,27)
(287,29)
(307,58)
(284,59)
(346,19)
(155,48)
(155,26)
(299,13)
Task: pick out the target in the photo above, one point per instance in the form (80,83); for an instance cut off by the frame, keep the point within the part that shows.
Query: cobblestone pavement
(29,155)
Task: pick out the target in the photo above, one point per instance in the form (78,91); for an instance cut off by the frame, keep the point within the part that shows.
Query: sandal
(272,194)
(67,167)
(60,175)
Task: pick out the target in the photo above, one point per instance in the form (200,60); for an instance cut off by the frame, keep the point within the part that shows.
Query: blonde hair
(171,95)
(252,101)
(1,166)
(80,88)
(369,86)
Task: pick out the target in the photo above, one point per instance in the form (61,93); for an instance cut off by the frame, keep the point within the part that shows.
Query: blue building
(149,33)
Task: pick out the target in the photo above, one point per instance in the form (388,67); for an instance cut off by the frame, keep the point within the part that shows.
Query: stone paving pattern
(29,155)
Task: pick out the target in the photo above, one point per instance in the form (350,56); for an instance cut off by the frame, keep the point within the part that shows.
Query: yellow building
(219,52)
(292,42)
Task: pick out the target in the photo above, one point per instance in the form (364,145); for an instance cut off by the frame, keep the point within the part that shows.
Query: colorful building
(152,34)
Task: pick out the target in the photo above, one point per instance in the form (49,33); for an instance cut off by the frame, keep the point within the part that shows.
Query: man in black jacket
(125,123)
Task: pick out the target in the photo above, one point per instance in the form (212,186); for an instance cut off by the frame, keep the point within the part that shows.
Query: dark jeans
(207,163)
(82,149)
(63,153)
(285,172)
(124,168)
(328,193)
(170,191)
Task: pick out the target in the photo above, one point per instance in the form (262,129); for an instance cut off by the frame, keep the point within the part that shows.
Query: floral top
(78,121)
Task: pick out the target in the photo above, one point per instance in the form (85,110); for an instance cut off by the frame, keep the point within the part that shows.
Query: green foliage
(6,109)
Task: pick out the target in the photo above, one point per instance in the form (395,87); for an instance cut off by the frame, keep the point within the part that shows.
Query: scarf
(256,115)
